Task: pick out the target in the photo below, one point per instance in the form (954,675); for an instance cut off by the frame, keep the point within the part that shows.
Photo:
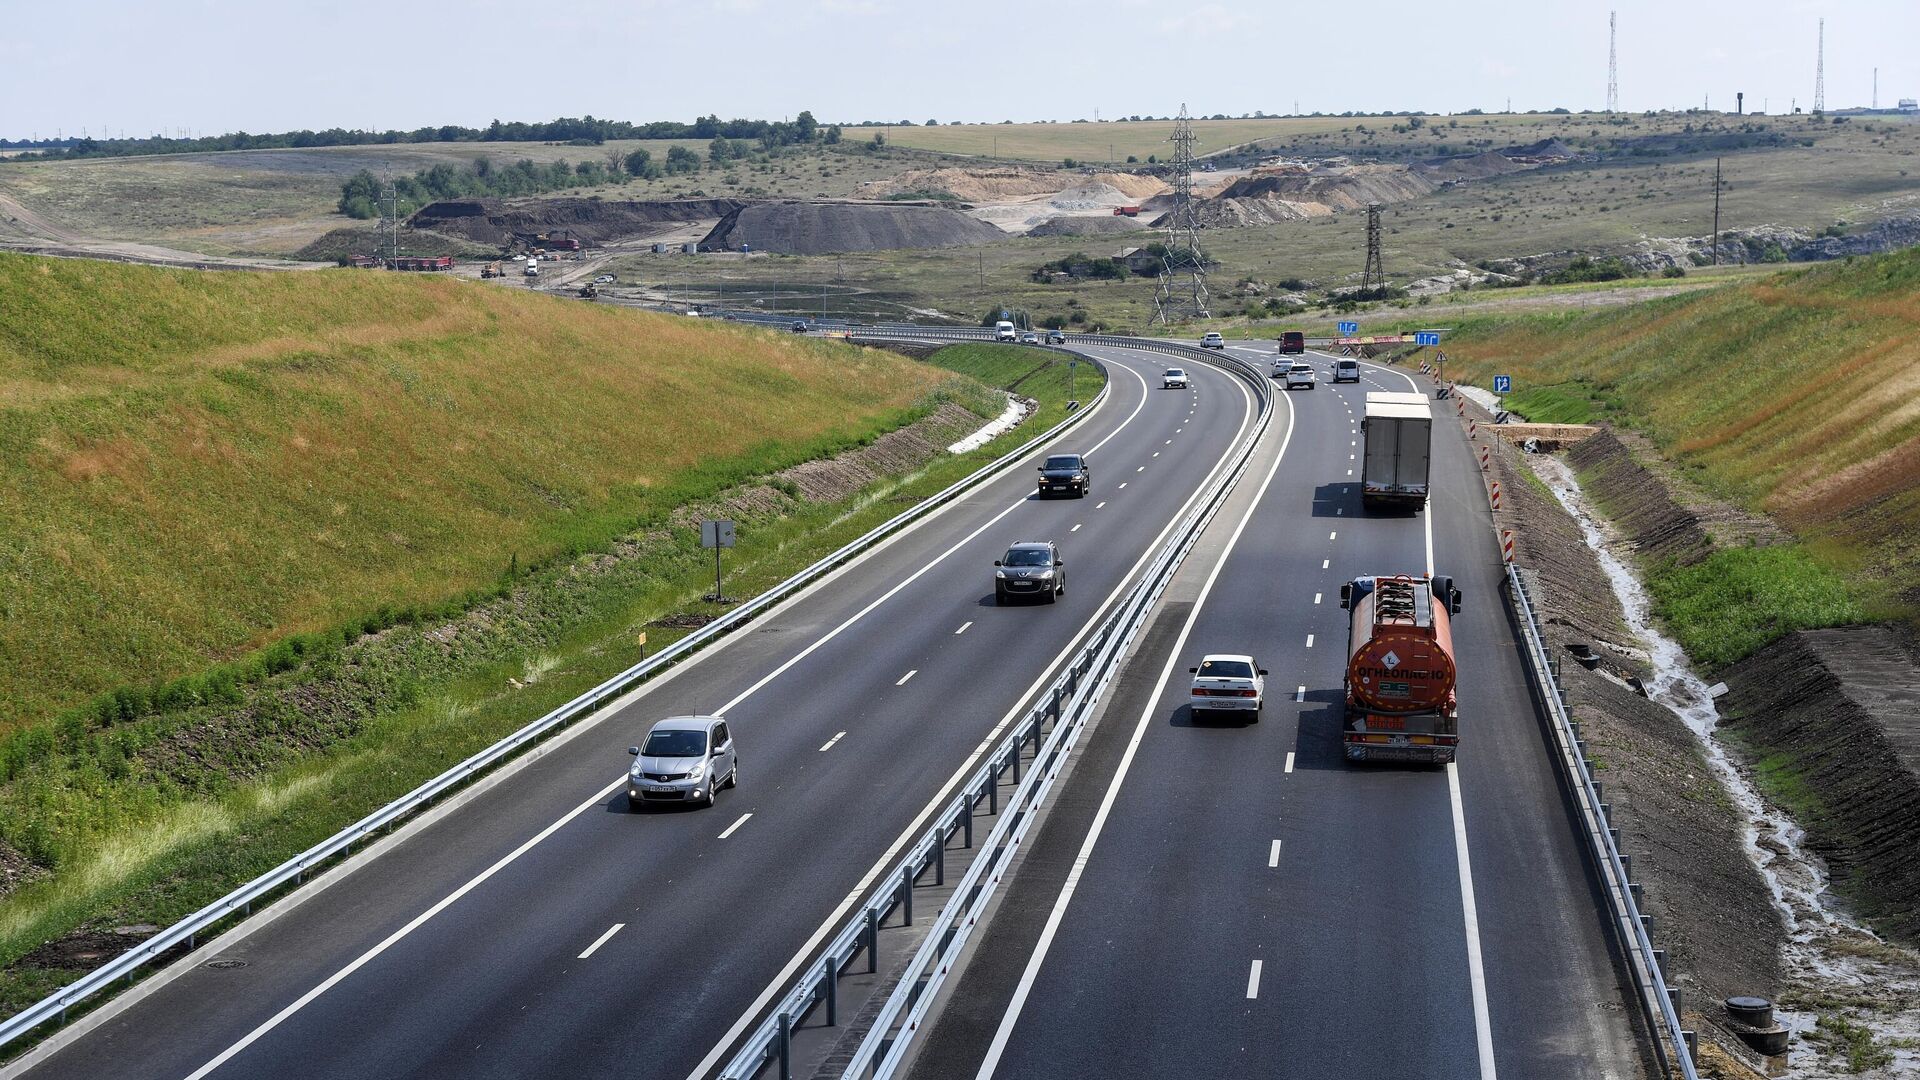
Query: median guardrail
(1659,1002)
(240,902)
(1052,724)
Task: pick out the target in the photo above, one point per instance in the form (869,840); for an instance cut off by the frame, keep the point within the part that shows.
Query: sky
(210,66)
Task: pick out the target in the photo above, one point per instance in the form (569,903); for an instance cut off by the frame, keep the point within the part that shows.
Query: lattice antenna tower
(1613,62)
(1373,280)
(387,233)
(1183,272)
(1820,72)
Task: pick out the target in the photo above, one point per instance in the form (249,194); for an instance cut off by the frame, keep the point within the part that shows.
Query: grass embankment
(1795,396)
(144,821)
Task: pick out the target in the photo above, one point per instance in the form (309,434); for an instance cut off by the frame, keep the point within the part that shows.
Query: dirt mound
(1085,225)
(1838,712)
(1270,197)
(1470,167)
(353,240)
(1661,528)
(819,228)
(591,221)
(1011,182)
(1549,149)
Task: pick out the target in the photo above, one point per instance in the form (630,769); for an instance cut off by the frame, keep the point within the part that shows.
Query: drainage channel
(1824,950)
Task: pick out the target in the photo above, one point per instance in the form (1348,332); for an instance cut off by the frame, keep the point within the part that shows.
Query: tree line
(578,131)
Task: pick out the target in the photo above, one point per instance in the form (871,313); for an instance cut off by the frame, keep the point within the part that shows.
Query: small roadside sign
(1426,337)
(1348,329)
(1503,384)
(716,534)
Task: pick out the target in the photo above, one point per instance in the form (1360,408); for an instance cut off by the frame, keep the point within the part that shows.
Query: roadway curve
(1439,923)
(458,950)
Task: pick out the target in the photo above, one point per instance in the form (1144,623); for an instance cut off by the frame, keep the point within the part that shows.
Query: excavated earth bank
(821,228)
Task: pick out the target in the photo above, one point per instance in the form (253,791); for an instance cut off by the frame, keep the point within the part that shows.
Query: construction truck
(1400,703)
(492,270)
(1398,430)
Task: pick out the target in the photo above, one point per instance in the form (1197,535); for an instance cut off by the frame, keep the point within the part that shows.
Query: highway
(536,927)
(1224,898)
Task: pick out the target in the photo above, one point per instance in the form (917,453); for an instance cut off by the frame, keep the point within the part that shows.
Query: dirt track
(43,237)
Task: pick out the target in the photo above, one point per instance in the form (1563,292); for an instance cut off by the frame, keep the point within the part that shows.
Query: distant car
(1213,341)
(685,759)
(1174,379)
(1346,371)
(799,326)
(1005,331)
(1300,375)
(1029,338)
(1228,682)
(604,279)
(1029,568)
(1066,473)
(1056,337)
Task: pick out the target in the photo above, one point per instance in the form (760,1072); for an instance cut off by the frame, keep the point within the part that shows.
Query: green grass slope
(193,466)
(1798,396)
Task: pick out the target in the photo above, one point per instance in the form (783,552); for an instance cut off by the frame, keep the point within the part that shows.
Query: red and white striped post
(1473,427)
(1485,452)
(1496,494)
(1506,544)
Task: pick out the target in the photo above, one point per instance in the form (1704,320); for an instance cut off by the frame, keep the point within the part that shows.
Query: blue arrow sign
(1426,337)
(1503,384)
(1348,329)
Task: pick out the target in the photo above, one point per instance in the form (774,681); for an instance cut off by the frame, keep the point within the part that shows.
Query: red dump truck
(1126,211)
(1400,671)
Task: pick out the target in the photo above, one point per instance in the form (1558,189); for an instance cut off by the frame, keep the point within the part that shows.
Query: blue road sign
(1503,384)
(1426,337)
(1348,329)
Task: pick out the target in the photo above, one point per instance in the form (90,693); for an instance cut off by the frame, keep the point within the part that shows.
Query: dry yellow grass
(193,465)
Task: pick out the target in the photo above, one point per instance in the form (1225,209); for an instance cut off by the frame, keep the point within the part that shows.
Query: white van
(1004,331)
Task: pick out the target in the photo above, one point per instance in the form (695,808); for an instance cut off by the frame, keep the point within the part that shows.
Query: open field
(278,201)
(1794,395)
(212,462)
(1094,143)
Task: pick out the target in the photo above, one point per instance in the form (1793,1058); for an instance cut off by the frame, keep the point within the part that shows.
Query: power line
(1183,270)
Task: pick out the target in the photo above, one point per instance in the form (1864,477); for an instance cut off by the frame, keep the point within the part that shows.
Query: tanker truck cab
(1400,700)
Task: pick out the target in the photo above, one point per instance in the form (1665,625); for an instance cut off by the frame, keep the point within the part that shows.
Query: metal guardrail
(1659,1002)
(292,872)
(1065,704)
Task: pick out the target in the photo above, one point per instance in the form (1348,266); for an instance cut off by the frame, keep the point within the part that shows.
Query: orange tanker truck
(1400,672)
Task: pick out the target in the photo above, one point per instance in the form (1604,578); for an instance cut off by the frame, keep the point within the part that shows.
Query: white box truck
(1398,433)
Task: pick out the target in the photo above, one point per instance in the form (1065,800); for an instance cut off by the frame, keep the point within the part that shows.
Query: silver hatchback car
(685,759)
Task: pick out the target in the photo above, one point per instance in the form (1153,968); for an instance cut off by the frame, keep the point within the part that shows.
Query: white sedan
(1228,682)
(1174,379)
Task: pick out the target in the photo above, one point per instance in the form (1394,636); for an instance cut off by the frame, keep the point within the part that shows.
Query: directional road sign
(1348,329)
(1503,384)
(1426,337)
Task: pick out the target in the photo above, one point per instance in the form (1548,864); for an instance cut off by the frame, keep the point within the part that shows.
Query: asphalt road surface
(1222,898)
(542,929)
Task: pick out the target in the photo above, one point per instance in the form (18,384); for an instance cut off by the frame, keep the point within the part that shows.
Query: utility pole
(1716,211)
(1820,72)
(1613,62)
(1875,102)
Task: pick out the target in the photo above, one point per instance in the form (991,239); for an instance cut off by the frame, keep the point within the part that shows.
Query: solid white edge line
(1011,1017)
(1273,857)
(1253,981)
(742,821)
(601,940)
(803,955)
(1476,971)
(391,939)
(829,743)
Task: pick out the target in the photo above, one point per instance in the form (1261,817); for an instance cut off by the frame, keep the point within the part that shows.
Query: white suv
(1213,341)
(1300,375)
(1174,379)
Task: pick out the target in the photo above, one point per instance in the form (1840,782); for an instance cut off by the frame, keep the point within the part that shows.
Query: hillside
(211,462)
(1797,395)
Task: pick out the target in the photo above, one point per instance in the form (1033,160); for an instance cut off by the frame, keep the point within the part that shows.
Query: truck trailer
(1398,434)
(1400,702)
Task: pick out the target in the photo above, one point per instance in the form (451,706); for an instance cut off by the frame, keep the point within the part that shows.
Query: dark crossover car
(1056,337)
(799,326)
(1029,568)
(1065,474)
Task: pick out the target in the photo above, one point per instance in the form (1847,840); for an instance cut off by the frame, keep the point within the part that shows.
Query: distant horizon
(113,67)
